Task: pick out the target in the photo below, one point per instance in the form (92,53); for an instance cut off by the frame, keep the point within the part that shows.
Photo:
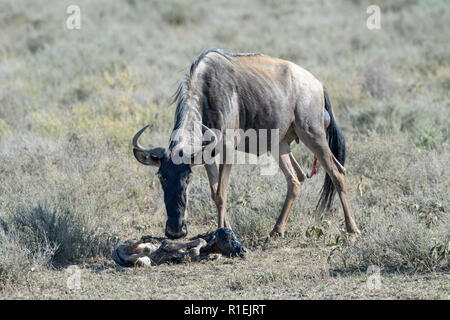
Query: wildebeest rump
(228,91)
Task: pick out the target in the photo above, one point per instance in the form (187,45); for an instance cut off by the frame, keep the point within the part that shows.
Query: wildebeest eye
(161,178)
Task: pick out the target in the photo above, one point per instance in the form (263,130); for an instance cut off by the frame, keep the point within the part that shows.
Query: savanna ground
(71,100)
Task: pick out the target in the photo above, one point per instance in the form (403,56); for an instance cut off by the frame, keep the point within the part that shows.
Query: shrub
(180,13)
(395,242)
(69,233)
(379,80)
(252,227)
(16,259)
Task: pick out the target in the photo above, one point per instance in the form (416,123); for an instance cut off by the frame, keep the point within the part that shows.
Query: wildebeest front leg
(221,197)
(294,178)
(213,177)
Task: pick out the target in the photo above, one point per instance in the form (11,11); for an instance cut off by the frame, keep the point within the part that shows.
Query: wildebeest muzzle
(176,229)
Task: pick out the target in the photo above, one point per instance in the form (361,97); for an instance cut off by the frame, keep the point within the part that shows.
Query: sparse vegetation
(70,189)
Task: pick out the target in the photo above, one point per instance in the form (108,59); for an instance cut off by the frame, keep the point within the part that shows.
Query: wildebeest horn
(136,138)
(146,156)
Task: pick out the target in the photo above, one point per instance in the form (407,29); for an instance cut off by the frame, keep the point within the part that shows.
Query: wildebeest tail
(336,142)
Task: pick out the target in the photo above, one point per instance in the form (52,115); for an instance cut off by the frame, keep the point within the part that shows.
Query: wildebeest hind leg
(316,141)
(300,174)
(294,178)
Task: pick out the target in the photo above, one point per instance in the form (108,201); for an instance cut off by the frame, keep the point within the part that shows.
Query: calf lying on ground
(154,251)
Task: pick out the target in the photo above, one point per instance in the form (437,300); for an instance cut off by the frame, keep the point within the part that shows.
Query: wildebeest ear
(151,157)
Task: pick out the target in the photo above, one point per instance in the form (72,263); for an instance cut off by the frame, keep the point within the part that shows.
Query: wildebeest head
(175,178)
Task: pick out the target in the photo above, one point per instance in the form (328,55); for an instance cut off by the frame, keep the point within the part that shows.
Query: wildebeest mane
(226,54)
(179,98)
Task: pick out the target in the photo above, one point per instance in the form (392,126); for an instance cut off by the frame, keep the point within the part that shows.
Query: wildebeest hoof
(353,236)
(274,235)
(154,251)
(353,230)
(143,262)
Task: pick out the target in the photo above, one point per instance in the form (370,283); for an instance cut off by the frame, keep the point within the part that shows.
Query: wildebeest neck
(187,130)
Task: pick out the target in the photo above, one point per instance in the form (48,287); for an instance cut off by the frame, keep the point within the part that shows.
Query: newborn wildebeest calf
(154,251)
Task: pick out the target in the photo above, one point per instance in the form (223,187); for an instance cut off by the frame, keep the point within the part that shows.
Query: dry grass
(70,188)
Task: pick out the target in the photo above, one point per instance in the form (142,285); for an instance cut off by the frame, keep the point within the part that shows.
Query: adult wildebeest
(226,91)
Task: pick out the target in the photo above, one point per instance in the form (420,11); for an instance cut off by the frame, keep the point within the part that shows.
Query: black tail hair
(336,142)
